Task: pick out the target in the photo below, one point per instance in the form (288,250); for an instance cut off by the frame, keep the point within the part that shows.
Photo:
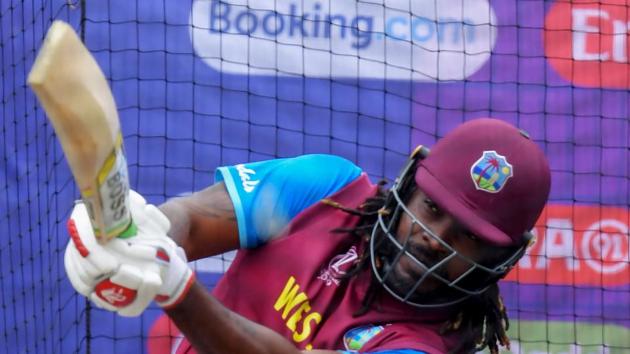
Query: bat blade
(77,99)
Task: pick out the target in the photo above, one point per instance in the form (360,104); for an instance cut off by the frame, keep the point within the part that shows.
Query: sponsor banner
(578,245)
(421,40)
(586,42)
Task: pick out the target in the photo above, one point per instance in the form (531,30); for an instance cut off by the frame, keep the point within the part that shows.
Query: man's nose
(438,230)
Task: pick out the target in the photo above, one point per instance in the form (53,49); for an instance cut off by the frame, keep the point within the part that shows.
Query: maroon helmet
(491,178)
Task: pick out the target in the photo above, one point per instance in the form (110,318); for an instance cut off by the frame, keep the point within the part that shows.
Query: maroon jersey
(292,285)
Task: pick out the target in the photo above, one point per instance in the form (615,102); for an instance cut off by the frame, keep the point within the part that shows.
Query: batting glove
(153,226)
(125,275)
(119,276)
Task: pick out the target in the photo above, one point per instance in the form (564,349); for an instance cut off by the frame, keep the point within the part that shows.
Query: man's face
(428,250)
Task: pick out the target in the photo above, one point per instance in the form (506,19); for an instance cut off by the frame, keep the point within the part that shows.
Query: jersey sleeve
(268,194)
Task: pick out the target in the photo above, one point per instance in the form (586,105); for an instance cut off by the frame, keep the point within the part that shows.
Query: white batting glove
(153,226)
(177,279)
(126,274)
(118,276)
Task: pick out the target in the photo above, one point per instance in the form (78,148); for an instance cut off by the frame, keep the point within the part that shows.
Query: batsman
(328,261)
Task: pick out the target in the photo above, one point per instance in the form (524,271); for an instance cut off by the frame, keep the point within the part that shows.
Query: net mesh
(200,84)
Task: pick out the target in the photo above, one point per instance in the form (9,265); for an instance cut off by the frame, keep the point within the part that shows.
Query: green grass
(538,337)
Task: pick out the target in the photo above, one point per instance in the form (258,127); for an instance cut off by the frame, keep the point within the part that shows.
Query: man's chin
(429,292)
(402,282)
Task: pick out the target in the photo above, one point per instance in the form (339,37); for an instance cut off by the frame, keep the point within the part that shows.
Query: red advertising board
(586,42)
(578,245)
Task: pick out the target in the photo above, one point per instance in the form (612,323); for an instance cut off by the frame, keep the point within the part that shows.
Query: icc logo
(337,267)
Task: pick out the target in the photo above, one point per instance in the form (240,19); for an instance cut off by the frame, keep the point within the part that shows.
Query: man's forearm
(204,223)
(212,328)
(179,218)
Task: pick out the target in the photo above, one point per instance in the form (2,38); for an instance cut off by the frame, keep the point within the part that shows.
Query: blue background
(181,120)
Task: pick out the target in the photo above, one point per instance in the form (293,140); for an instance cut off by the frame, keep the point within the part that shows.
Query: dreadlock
(483,320)
(368,213)
(483,323)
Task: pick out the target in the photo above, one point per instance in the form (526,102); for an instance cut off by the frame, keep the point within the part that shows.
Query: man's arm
(211,328)
(204,223)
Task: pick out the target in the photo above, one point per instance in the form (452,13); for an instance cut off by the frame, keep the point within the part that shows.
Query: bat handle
(108,199)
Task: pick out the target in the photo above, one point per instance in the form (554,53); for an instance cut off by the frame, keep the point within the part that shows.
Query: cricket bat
(78,102)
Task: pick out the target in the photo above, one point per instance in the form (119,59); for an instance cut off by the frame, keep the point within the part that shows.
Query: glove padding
(124,275)
(177,279)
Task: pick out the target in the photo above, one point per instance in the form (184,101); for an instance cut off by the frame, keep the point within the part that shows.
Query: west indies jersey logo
(356,338)
(491,172)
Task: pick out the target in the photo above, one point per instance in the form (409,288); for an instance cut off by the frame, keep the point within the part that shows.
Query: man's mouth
(404,274)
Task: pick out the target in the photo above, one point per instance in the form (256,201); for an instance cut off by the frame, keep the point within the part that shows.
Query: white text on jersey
(246,178)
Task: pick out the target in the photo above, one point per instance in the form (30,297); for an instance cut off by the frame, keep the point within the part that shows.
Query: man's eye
(472,236)
(432,206)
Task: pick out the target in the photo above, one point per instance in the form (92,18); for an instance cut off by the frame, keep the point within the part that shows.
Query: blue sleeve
(396,351)
(268,194)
